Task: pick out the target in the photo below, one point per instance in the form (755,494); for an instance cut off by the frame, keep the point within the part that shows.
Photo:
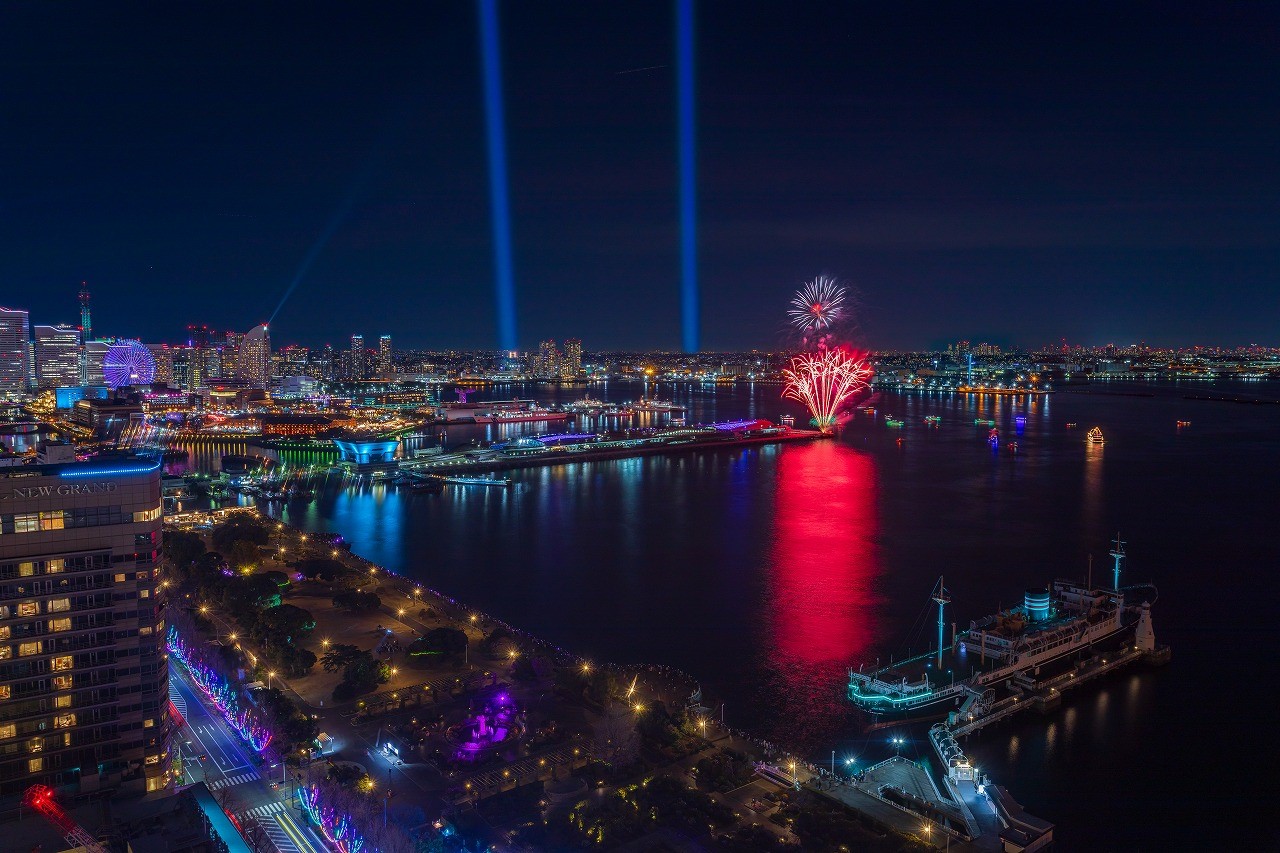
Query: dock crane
(40,798)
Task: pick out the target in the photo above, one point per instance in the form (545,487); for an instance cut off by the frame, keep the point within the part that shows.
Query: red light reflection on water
(821,583)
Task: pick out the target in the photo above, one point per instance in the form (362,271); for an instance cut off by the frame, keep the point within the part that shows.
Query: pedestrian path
(232,781)
(178,702)
(265,811)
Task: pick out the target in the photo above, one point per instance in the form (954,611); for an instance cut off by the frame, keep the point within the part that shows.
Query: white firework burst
(817,305)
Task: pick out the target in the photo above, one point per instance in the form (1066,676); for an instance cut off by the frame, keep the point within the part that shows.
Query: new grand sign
(22,493)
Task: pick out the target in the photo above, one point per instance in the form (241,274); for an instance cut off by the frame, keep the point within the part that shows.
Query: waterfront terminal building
(84,684)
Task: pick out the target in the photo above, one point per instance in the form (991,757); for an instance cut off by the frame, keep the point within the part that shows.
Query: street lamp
(325,642)
(897,743)
(270,675)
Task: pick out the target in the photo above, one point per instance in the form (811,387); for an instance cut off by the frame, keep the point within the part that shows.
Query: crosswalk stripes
(264,811)
(231,781)
(178,702)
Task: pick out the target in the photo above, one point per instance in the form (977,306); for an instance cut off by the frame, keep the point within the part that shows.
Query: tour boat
(1095,436)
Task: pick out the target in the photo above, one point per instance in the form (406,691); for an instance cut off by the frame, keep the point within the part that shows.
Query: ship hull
(876,718)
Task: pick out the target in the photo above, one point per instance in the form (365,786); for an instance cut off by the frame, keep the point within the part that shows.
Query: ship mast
(942,599)
(1117,553)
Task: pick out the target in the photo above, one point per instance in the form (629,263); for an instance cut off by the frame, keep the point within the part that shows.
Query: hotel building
(83,673)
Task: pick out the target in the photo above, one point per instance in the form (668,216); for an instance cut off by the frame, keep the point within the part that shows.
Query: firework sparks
(817,305)
(825,381)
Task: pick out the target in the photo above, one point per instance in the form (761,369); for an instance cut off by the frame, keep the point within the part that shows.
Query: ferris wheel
(128,363)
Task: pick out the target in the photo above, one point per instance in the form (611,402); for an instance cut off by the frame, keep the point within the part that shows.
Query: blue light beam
(689,303)
(499,204)
(335,222)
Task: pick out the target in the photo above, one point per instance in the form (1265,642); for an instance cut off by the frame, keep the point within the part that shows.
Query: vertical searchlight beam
(500,212)
(689,303)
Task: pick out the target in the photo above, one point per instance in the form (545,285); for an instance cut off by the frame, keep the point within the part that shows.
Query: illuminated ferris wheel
(128,363)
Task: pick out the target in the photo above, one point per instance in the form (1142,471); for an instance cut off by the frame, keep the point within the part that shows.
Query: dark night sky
(1015,172)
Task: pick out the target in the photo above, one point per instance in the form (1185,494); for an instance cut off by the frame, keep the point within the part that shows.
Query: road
(212,753)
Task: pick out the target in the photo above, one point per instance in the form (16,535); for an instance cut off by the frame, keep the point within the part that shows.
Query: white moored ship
(1053,628)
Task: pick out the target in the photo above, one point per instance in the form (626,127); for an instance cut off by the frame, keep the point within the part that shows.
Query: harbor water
(767,572)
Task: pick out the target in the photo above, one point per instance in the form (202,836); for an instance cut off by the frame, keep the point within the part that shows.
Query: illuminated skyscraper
(547,364)
(230,366)
(94,353)
(254,358)
(357,357)
(384,357)
(571,364)
(57,351)
(15,334)
(163,355)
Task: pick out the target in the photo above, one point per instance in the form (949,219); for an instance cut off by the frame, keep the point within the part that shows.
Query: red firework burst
(825,381)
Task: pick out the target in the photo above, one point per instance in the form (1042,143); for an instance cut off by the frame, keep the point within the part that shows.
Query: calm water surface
(767,572)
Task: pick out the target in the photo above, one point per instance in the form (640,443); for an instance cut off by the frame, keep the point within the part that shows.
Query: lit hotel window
(62,702)
(64,721)
(58,605)
(147,515)
(4,691)
(6,652)
(35,765)
(33,648)
(63,663)
(35,745)
(120,578)
(146,724)
(4,632)
(153,759)
(63,624)
(28,608)
(27,522)
(144,593)
(7,730)
(55,566)
(51,520)
(62,682)
(26,570)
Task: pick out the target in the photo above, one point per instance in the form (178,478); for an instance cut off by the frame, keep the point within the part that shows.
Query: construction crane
(40,798)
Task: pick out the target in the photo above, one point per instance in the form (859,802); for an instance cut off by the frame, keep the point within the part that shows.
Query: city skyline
(1017,201)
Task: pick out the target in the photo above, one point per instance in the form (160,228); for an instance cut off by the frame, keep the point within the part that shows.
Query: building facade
(57,352)
(15,334)
(254,358)
(83,674)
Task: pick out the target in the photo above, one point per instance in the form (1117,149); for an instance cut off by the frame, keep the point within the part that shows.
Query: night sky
(1020,173)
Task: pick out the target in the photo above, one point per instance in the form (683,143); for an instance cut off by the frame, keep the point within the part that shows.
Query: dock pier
(1045,696)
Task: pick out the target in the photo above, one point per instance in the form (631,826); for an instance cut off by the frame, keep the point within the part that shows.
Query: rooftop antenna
(1117,553)
(940,596)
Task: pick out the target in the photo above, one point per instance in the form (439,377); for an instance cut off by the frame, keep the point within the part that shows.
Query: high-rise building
(384,357)
(84,691)
(57,350)
(547,363)
(15,335)
(357,358)
(229,364)
(253,360)
(163,354)
(94,353)
(571,364)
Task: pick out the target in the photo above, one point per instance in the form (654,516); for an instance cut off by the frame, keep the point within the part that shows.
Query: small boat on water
(993,438)
(1182,424)
(1095,436)
(462,480)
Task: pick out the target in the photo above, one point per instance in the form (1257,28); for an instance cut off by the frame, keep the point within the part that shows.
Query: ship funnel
(1036,603)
